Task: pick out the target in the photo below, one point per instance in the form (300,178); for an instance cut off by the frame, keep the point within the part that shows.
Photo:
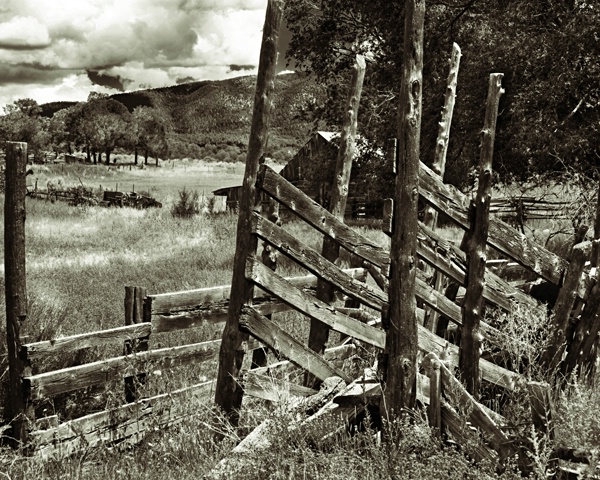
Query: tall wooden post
(136,312)
(439,164)
(319,332)
(475,246)
(229,392)
(400,355)
(15,284)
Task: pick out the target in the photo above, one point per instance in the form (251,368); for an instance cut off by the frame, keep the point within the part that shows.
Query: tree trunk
(135,155)
(400,320)
(107,153)
(146,157)
(87,154)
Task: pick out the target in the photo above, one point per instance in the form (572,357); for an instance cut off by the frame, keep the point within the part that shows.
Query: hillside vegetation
(206,119)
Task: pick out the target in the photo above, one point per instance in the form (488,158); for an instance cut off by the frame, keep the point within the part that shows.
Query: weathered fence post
(542,406)
(19,410)
(567,295)
(135,312)
(431,363)
(400,357)
(229,392)
(439,165)
(319,333)
(475,246)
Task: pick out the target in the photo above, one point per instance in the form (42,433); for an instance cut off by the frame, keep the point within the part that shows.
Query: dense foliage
(548,51)
(208,120)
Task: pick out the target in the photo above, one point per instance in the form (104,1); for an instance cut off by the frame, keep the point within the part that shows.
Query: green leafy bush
(188,204)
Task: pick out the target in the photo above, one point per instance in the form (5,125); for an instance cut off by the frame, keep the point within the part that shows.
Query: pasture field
(80,258)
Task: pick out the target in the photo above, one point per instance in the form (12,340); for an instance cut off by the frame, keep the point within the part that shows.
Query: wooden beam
(475,246)
(273,389)
(399,367)
(167,303)
(567,295)
(502,237)
(18,411)
(129,422)
(47,385)
(266,331)
(316,263)
(319,218)
(310,306)
(229,391)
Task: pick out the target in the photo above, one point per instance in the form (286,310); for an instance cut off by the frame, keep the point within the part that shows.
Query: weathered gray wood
(581,351)
(19,411)
(503,237)
(595,256)
(311,306)
(451,261)
(316,263)
(318,217)
(46,385)
(229,391)
(542,408)
(443,137)
(475,246)
(399,367)
(166,303)
(477,415)
(567,295)
(134,314)
(439,162)
(128,422)
(284,344)
(319,332)
(429,342)
(341,352)
(273,389)
(38,350)
(431,364)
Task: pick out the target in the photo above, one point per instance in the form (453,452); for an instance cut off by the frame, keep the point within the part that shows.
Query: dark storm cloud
(104,80)
(241,68)
(24,74)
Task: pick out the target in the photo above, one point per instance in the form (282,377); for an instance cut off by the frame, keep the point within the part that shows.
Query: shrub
(188,204)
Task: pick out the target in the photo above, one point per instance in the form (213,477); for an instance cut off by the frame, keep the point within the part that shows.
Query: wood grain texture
(316,263)
(310,306)
(284,344)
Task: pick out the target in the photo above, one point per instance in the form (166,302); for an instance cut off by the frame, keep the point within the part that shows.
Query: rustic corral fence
(247,311)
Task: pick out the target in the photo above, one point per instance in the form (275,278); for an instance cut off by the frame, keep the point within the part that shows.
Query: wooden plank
(477,415)
(341,352)
(284,344)
(273,389)
(165,303)
(131,421)
(318,217)
(429,342)
(311,306)
(15,288)
(502,237)
(316,263)
(567,295)
(49,384)
(451,261)
(38,350)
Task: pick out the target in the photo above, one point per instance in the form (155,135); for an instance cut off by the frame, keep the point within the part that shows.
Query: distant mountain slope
(220,112)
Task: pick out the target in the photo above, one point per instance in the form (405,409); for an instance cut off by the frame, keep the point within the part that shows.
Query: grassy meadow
(80,258)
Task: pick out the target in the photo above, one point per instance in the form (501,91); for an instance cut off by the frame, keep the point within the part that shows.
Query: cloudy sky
(62,49)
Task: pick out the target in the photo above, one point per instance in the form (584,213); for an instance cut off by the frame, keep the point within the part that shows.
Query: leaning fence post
(19,409)
(542,406)
(135,312)
(475,246)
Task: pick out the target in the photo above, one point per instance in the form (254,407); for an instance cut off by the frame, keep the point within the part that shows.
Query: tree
(22,123)
(548,51)
(150,133)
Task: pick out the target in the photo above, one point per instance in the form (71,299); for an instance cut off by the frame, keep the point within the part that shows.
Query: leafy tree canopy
(548,51)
